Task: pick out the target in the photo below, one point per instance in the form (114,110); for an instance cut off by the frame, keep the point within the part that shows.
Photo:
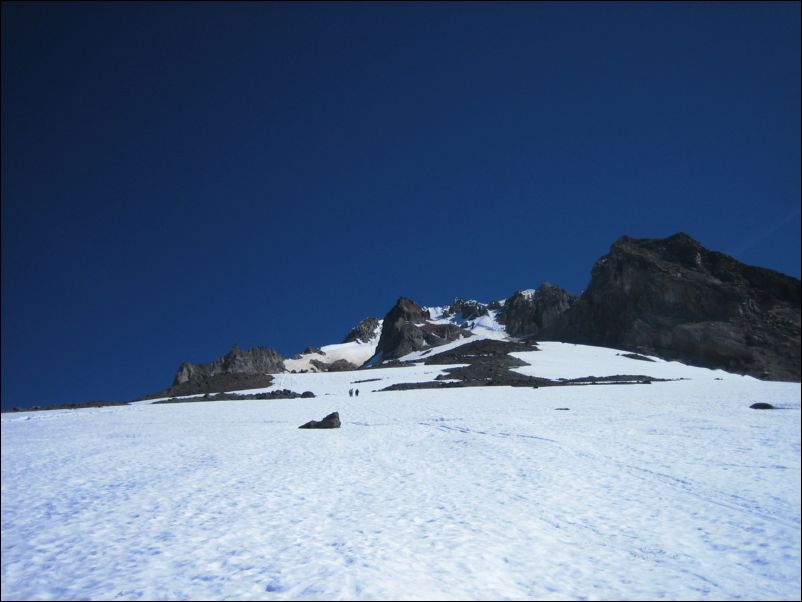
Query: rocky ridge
(236,370)
(259,360)
(668,297)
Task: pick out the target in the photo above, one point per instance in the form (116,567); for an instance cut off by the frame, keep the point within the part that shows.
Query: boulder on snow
(762,406)
(332,421)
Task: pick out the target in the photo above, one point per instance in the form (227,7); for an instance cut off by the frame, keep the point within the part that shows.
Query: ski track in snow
(674,490)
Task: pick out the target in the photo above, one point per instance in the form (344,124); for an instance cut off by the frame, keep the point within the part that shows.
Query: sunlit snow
(673,490)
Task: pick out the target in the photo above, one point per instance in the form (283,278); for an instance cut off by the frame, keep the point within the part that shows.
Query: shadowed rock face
(526,314)
(673,298)
(405,329)
(259,360)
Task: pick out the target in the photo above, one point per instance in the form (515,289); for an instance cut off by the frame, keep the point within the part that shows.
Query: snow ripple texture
(674,490)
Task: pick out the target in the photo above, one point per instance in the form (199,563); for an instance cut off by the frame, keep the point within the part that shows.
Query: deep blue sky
(178,178)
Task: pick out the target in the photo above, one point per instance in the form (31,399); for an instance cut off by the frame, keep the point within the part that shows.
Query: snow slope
(486,327)
(674,490)
(356,352)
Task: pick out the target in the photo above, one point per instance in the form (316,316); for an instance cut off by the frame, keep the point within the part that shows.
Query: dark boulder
(332,421)
(762,406)
(676,299)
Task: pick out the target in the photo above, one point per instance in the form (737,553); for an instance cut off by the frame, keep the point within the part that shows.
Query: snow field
(567,360)
(355,352)
(673,490)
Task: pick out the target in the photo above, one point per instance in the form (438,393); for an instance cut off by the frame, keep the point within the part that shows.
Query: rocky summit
(676,299)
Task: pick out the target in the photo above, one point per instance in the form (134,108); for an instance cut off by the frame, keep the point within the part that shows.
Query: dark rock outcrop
(278,394)
(332,421)
(762,406)
(236,370)
(259,360)
(466,309)
(526,313)
(68,406)
(676,299)
(636,356)
(362,332)
(406,329)
(340,365)
(488,364)
(485,351)
(219,383)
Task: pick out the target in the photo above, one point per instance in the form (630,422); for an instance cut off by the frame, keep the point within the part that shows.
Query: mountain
(465,444)
(670,298)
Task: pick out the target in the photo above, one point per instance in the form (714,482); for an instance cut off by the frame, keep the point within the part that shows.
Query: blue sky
(180,177)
